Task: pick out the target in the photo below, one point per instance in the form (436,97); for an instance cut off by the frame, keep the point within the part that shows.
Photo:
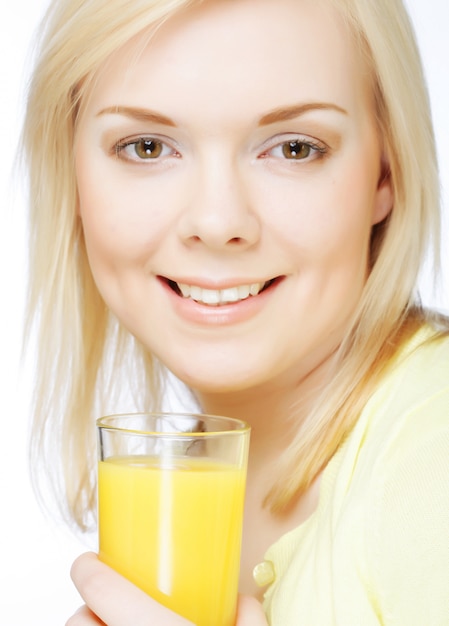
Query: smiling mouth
(219,297)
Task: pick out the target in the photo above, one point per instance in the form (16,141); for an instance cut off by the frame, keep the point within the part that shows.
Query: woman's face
(229,175)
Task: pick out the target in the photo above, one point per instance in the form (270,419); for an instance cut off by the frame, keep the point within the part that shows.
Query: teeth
(229,295)
(184,289)
(210,297)
(215,297)
(254,289)
(196,293)
(245,290)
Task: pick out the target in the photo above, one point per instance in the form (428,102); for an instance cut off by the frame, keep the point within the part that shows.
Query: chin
(218,383)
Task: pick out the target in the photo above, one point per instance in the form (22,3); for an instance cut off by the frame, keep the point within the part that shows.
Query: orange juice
(175,532)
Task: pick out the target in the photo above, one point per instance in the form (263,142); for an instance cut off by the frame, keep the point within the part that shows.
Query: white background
(35,553)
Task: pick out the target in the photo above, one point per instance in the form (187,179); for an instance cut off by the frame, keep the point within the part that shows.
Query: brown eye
(148,148)
(296,150)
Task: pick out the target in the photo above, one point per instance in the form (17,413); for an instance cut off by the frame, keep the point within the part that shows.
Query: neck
(274,410)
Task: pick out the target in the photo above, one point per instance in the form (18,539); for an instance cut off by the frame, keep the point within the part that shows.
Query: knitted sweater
(376,550)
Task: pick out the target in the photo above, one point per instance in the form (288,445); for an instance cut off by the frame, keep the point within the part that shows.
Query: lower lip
(222,315)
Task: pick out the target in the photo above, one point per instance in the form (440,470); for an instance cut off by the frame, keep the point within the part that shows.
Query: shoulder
(422,365)
(408,515)
(412,401)
(403,420)
(407,423)
(407,530)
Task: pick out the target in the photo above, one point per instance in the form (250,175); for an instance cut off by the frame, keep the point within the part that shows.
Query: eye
(147,148)
(143,149)
(297,150)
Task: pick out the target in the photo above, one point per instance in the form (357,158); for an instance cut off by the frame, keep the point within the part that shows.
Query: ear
(384,200)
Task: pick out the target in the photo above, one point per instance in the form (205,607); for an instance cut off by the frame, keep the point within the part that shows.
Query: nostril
(233,240)
(217,231)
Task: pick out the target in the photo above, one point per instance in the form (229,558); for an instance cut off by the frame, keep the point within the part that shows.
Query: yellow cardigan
(376,550)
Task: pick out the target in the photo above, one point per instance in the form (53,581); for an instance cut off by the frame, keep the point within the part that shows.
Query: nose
(218,213)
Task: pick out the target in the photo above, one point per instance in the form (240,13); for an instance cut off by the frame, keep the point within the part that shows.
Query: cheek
(328,221)
(124,223)
(110,240)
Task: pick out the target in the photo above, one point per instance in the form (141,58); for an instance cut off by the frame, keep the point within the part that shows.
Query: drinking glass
(170,504)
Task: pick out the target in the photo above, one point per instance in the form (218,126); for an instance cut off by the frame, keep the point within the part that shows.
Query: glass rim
(241,427)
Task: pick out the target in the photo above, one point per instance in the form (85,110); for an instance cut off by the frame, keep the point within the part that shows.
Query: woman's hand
(113,601)
(250,612)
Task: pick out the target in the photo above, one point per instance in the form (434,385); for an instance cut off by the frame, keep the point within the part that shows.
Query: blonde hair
(389,310)
(82,349)
(85,356)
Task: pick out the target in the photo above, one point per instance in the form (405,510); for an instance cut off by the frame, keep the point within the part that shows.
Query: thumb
(250,612)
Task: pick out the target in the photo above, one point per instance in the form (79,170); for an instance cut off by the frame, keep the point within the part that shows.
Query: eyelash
(314,149)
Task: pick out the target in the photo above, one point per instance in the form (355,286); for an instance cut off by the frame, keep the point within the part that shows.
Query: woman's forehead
(270,51)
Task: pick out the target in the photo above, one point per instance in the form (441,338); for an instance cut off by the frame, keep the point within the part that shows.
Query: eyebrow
(296,110)
(277,115)
(142,115)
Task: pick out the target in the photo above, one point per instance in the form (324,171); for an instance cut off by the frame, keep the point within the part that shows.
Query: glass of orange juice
(170,507)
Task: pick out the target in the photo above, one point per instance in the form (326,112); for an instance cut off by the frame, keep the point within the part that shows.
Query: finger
(84,617)
(250,612)
(115,600)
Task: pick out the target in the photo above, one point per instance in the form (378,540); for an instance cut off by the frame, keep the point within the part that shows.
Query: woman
(231,191)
